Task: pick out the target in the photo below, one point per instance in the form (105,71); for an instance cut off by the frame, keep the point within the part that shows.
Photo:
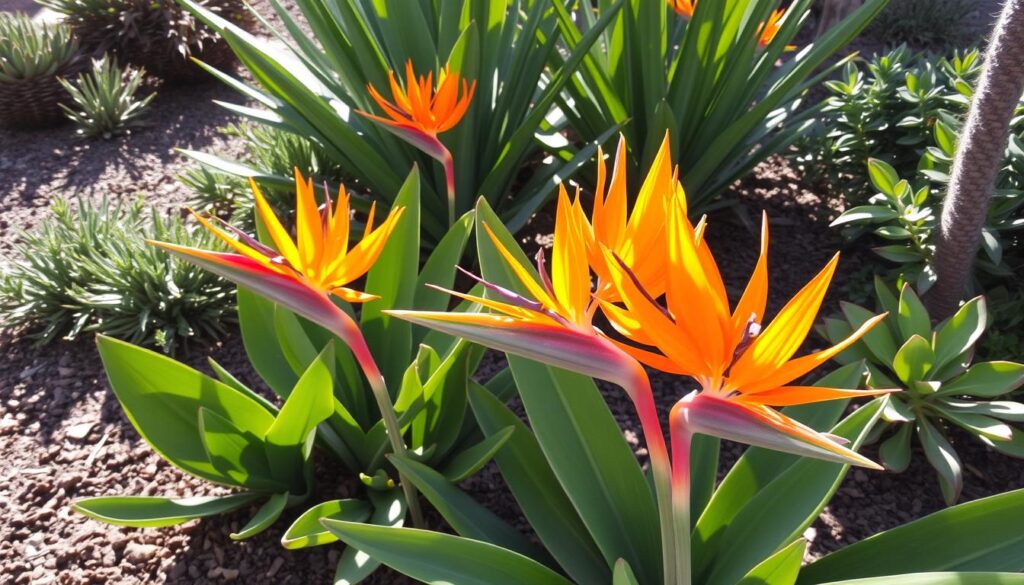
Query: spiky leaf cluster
(104,102)
(87,268)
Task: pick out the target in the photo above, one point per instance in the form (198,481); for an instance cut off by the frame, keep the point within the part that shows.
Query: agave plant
(941,388)
(156,34)
(104,99)
(33,56)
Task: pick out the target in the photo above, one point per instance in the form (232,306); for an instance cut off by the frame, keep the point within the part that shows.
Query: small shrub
(158,35)
(88,269)
(940,387)
(104,99)
(934,24)
(887,113)
(32,57)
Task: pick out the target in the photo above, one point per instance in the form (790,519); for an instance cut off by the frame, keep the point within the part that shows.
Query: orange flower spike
(421,111)
(740,367)
(771,28)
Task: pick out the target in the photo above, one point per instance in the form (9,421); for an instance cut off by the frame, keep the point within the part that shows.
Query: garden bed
(64,436)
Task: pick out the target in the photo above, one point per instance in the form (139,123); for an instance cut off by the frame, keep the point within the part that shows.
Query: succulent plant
(104,99)
(33,55)
(158,35)
(940,386)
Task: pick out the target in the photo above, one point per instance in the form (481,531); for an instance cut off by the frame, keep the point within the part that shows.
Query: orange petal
(755,297)
(282,241)
(524,276)
(793,395)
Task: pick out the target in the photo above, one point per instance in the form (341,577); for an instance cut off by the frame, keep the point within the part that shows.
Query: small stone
(275,566)
(8,425)
(229,574)
(65,372)
(79,431)
(859,476)
(140,553)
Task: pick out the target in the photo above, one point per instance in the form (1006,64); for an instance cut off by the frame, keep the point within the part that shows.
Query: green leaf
(237,454)
(472,460)
(913,318)
(872,213)
(961,331)
(256,320)
(781,568)
(783,509)
(943,458)
(463,513)
(883,176)
(162,398)
(439,270)
(986,380)
(962,578)
(623,575)
(156,512)
(228,378)
(983,535)
(393,279)
(354,565)
(267,515)
(307,531)
(878,340)
(534,486)
(434,557)
(895,451)
(914,360)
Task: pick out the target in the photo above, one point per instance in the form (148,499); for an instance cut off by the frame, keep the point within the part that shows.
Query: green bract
(940,387)
(103,99)
(707,79)
(593,511)
(311,86)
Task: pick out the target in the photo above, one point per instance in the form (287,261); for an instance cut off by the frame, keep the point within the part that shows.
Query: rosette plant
(597,518)
(352,388)
(415,65)
(941,387)
(708,71)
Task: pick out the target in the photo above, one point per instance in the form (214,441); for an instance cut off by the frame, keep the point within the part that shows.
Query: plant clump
(104,99)
(33,57)
(87,268)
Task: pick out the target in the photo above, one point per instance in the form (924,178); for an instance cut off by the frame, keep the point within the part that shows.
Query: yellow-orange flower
(730,353)
(683,7)
(771,28)
(420,106)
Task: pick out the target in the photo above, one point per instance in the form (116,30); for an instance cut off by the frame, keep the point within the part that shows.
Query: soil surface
(64,436)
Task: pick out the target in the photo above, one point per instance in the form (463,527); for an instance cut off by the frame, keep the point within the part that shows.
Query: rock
(79,431)
(140,553)
(229,574)
(8,425)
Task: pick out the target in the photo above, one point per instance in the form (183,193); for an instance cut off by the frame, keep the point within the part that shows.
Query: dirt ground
(63,435)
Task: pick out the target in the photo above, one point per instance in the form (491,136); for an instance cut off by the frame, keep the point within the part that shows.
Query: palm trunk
(978,156)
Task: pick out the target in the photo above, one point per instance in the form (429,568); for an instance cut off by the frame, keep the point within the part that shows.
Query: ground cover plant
(87,269)
(33,57)
(103,101)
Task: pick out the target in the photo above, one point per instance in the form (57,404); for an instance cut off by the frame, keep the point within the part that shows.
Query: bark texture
(977,160)
(833,12)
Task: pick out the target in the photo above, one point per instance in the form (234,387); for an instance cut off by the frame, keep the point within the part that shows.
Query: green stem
(681,441)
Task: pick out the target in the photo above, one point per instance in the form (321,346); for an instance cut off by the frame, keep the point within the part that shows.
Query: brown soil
(64,436)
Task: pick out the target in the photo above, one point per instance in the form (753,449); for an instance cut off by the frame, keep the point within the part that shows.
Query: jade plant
(940,387)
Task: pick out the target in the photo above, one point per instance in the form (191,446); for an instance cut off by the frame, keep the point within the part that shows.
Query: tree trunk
(978,157)
(833,12)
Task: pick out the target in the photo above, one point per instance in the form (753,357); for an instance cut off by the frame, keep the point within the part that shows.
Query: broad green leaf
(439,270)
(943,458)
(534,486)
(264,518)
(961,331)
(895,451)
(913,318)
(883,176)
(473,459)
(781,568)
(307,531)
(914,360)
(783,509)
(256,320)
(961,578)
(162,398)
(355,565)
(878,340)
(983,535)
(156,512)
(228,378)
(434,557)
(237,454)
(873,213)
(623,575)
(463,513)
(986,380)
(393,279)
